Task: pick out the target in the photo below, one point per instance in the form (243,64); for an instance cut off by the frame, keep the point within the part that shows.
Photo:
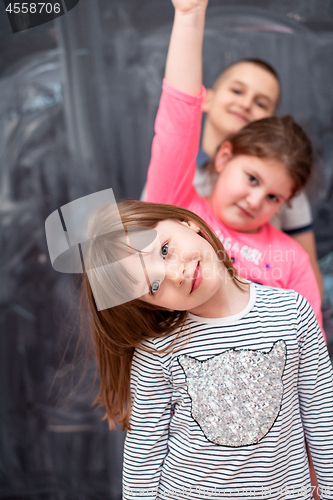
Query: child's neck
(230,300)
(212,138)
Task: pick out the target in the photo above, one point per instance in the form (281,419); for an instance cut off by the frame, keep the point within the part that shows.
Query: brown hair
(257,62)
(118,330)
(278,138)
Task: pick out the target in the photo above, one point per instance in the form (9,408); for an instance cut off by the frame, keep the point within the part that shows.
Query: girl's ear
(205,107)
(192,225)
(224,154)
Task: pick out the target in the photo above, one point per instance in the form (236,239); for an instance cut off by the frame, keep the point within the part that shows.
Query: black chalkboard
(78,102)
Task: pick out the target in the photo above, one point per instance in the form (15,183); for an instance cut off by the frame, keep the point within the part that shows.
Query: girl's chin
(242,228)
(235,222)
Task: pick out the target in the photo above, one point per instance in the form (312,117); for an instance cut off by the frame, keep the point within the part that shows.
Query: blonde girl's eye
(154,287)
(164,250)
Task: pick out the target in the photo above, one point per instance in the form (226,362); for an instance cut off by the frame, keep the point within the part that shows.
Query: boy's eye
(273,198)
(236,91)
(164,250)
(261,105)
(154,287)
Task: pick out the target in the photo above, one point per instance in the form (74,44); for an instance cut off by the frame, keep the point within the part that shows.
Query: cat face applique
(236,396)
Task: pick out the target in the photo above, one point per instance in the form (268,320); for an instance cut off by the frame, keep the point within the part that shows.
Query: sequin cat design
(236,396)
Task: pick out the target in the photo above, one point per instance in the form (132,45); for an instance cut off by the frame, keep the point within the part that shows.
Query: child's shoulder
(160,346)
(270,239)
(279,297)
(272,292)
(276,236)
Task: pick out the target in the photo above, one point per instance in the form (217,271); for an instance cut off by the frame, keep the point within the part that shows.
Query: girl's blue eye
(154,287)
(164,250)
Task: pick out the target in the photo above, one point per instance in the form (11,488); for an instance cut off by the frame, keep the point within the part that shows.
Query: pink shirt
(269,256)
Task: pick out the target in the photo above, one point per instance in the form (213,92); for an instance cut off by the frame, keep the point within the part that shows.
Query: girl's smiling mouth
(244,212)
(197,277)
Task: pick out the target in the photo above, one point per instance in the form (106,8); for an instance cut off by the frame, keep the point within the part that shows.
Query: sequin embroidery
(236,396)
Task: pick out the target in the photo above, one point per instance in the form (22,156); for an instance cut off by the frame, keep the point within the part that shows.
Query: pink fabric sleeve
(175,147)
(303,281)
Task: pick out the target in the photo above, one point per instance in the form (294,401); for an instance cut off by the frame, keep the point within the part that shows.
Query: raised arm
(184,61)
(178,122)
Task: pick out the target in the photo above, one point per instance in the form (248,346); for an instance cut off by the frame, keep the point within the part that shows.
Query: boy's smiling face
(245,93)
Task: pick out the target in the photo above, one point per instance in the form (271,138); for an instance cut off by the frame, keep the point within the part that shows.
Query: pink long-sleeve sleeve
(174,149)
(302,279)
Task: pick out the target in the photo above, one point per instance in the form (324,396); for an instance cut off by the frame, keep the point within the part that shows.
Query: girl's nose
(255,199)
(175,272)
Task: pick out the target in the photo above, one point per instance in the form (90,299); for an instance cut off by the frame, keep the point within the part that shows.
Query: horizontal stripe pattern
(166,453)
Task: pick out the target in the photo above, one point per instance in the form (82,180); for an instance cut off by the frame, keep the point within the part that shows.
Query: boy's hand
(188,5)
(184,66)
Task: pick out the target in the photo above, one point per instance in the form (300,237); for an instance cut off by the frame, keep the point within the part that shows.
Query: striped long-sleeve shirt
(223,412)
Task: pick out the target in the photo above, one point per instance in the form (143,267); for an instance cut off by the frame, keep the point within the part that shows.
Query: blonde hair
(117,331)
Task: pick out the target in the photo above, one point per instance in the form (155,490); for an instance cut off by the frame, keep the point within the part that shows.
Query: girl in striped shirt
(217,381)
